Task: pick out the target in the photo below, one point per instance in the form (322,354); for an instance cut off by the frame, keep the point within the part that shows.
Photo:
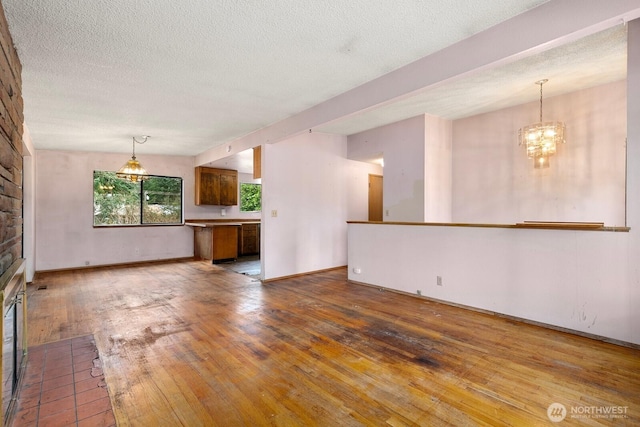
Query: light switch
(274,213)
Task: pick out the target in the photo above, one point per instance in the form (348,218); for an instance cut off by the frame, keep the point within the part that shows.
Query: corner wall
(438,165)
(402,145)
(306,183)
(29,205)
(417,167)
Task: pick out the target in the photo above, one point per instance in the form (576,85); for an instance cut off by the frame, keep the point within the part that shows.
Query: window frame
(240,196)
(141,205)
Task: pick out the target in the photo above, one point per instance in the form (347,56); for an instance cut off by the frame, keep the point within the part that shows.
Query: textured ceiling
(196,74)
(591,61)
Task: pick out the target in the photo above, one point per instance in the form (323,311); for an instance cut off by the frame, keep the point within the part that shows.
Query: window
(157,200)
(250,197)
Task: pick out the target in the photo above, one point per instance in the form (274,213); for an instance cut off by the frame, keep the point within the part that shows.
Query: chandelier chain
(541,83)
(145,137)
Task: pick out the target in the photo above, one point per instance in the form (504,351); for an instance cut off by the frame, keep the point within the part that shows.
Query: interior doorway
(248,211)
(375,197)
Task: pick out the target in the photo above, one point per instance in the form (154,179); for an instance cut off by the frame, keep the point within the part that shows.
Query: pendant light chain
(145,137)
(541,83)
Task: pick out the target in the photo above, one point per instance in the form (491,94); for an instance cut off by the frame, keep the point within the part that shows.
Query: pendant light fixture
(133,170)
(541,139)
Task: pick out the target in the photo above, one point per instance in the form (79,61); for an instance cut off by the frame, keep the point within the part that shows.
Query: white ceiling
(591,61)
(196,74)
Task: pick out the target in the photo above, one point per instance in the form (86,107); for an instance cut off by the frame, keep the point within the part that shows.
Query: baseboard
(291,276)
(123,264)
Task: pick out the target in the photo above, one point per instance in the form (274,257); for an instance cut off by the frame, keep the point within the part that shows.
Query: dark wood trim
(122,264)
(576,226)
(240,220)
(174,224)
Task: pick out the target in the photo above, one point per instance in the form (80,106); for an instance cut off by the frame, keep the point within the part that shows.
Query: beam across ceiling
(547,26)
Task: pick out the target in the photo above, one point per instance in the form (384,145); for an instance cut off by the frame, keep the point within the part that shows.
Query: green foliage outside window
(157,200)
(250,197)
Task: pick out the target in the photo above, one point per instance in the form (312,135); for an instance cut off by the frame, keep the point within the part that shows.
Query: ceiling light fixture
(133,170)
(541,138)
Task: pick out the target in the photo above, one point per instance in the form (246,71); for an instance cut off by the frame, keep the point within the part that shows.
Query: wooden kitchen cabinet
(228,187)
(225,242)
(250,239)
(257,162)
(217,243)
(216,186)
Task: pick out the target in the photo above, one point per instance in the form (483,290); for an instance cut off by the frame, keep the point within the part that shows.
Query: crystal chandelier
(541,138)
(133,170)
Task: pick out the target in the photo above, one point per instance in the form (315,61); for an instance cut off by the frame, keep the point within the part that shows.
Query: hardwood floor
(193,344)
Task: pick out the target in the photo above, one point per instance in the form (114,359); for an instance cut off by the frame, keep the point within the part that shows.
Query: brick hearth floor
(63,385)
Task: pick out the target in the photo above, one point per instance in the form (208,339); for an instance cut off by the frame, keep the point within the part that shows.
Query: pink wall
(402,145)
(64,228)
(437,169)
(308,181)
(588,281)
(494,182)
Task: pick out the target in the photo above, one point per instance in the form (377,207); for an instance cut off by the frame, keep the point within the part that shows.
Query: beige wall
(315,190)
(402,146)
(437,169)
(65,234)
(494,182)
(586,281)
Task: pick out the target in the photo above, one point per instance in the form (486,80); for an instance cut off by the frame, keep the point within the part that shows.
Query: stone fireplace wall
(11,128)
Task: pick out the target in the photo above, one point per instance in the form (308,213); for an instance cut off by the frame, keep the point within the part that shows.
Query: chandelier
(133,170)
(541,139)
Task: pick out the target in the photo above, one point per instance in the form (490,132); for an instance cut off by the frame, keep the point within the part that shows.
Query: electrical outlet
(274,213)
(357,271)
(439,280)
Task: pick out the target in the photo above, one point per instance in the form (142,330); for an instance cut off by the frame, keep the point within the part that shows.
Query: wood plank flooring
(192,344)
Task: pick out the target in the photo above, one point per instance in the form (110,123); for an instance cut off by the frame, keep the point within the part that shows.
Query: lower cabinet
(225,242)
(249,242)
(216,243)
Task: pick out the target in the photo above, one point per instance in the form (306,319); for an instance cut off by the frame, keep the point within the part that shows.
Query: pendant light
(133,170)
(541,139)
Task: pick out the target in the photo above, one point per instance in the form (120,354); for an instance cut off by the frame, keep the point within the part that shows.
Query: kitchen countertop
(213,224)
(209,223)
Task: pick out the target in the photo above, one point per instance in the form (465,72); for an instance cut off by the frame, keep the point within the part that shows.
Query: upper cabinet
(257,162)
(216,187)
(228,187)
